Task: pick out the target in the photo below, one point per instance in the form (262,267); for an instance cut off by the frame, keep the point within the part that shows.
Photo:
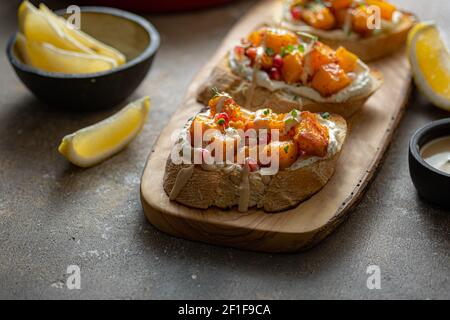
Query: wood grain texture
(371,130)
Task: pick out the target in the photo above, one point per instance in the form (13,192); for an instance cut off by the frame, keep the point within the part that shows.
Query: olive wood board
(371,130)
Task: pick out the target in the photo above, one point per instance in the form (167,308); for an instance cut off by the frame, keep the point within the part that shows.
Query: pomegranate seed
(296,13)
(251,53)
(278,61)
(239,50)
(274,74)
(225,118)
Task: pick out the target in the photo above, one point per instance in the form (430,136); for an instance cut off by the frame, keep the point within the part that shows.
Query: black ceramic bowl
(432,185)
(134,36)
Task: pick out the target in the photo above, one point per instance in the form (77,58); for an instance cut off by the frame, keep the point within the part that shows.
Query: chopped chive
(289,120)
(290,48)
(270,52)
(325,115)
(221,121)
(214,92)
(283,52)
(301,47)
(294,113)
(266,112)
(286,149)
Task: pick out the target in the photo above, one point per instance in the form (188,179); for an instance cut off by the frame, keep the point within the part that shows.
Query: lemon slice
(430,62)
(36,26)
(46,57)
(93,44)
(93,144)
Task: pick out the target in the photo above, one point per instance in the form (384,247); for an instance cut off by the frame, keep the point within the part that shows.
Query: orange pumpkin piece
(346,59)
(228,106)
(199,126)
(298,3)
(311,137)
(277,38)
(318,56)
(341,4)
(238,124)
(256,37)
(319,17)
(360,16)
(330,79)
(224,147)
(286,151)
(292,67)
(386,9)
(266,62)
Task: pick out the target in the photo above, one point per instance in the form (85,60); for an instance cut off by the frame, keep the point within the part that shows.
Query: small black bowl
(133,35)
(432,184)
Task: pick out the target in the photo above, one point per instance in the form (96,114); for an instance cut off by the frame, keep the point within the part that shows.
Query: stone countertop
(53,214)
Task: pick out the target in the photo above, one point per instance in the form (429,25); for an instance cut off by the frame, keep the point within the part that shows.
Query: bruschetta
(275,171)
(371,29)
(284,70)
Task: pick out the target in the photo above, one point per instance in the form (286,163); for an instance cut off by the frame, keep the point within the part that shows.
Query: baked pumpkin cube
(386,9)
(256,37)
(360,17)
(346,60)
(199,126)
(318,56)
(341,4)
(285,151)
(275,38)
(279,38)
(292,67)
(330,79)
(318,16)
(311,136)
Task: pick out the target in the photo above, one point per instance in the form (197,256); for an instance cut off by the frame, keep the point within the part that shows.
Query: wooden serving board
(304,226)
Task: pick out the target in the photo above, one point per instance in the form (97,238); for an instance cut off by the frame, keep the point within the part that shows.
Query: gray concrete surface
(53,214)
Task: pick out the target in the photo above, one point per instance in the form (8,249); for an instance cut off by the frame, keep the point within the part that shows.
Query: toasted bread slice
(280,101)
(204,188)
(367,48)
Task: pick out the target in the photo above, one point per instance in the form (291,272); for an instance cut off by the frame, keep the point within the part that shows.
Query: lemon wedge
(86,40)
(46,57)
(93,144)
(36,26)
(430,62)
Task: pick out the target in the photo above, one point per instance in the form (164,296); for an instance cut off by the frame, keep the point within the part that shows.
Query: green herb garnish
(290,48)
(286,149)
(294,113)
(325,115)
(266,112)
(270,52)
(221,121)
(214,92)
(301,47)
(289,120)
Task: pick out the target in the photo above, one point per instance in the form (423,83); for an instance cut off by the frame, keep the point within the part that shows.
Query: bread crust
(286,189)
(280,101)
